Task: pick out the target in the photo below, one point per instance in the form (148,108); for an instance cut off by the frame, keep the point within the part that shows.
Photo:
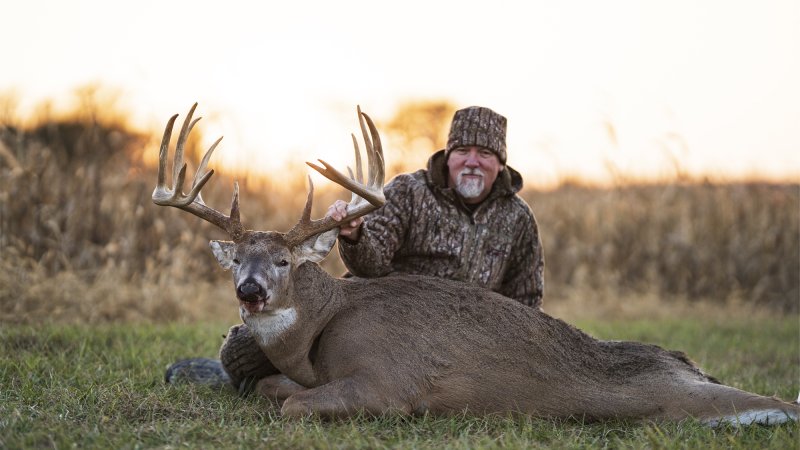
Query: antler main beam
(365,197)
(166,195)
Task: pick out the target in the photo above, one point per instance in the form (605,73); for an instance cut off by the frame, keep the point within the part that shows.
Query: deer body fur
(415,344)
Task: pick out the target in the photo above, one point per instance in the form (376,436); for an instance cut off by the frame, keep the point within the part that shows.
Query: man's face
(472,172)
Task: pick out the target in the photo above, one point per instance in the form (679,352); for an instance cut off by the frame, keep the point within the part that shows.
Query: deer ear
(223,251)
(315,248)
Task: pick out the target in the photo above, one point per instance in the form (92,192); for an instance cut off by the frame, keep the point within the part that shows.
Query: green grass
(102,387)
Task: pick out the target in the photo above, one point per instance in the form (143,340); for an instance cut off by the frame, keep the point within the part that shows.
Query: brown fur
(413,344)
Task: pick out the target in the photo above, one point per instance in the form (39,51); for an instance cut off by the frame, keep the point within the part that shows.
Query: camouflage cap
(478,126)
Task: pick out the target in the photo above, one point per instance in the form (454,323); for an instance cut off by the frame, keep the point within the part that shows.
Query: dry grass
(80,240)
(701,241)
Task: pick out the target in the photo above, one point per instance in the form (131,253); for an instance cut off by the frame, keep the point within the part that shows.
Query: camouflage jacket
(424,228)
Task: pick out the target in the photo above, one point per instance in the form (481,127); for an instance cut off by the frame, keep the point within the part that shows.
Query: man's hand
(338,210)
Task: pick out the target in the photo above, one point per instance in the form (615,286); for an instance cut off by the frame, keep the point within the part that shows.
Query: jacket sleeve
(382,233)
(524,281)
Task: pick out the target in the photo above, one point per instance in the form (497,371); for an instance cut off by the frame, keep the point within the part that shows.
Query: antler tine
(366,197)
(162,154)
(236,228)
(187,126)
(359,172)
(199,176)
(166,195)
(306,217)
(353,196)
(367,145)
(375,155)
(368,193)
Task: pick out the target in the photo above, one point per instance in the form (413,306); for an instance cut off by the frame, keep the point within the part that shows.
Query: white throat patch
(267,328)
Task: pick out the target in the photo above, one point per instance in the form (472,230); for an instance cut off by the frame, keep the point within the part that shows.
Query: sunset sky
(636,86)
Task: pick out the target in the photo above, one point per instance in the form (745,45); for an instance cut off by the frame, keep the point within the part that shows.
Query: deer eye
(235,261)
(283,263)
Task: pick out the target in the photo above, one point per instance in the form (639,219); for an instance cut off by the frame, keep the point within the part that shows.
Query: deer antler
(366,197)
(192,202)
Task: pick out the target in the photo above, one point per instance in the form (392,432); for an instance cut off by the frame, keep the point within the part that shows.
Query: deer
(415,345)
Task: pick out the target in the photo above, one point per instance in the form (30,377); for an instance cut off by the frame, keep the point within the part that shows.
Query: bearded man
(460,218)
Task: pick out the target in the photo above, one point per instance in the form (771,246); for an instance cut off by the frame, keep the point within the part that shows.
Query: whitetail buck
(415,344)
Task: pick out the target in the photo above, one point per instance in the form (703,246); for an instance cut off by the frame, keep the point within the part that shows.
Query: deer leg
(278,388)
(716,404)
(243,359)
(338,399)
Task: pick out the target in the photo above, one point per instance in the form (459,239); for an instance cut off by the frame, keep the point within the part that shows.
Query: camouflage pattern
(197,371)
(243,359)
(241,364)
(424,228)
(478,126)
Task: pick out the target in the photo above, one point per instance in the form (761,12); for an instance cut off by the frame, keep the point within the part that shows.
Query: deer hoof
(296,408)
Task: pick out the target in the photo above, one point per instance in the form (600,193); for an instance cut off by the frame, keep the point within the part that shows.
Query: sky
(590,88)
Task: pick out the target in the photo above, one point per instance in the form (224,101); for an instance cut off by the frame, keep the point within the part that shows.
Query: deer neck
(287,339)
(315,293)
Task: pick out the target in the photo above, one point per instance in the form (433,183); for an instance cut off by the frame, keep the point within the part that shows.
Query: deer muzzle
(250,291)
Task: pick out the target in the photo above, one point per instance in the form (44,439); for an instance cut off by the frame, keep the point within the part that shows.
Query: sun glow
(597,91)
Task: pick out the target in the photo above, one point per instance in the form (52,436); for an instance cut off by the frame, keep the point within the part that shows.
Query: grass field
(102,387)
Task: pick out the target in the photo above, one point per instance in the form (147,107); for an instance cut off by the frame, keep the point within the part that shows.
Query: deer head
(262,261)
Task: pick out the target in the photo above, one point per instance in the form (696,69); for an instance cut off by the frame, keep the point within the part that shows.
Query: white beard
(470,187)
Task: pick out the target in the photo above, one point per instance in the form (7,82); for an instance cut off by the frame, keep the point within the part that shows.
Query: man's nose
(472,160)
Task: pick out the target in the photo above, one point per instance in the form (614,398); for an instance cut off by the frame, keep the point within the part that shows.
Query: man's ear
(315,248)
(223,251)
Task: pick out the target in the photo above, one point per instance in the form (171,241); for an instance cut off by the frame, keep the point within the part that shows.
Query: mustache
(473,171)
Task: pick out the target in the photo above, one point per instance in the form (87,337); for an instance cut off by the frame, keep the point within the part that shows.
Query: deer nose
(250,291)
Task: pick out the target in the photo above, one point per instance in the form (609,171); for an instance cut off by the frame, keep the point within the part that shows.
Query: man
(460,218)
